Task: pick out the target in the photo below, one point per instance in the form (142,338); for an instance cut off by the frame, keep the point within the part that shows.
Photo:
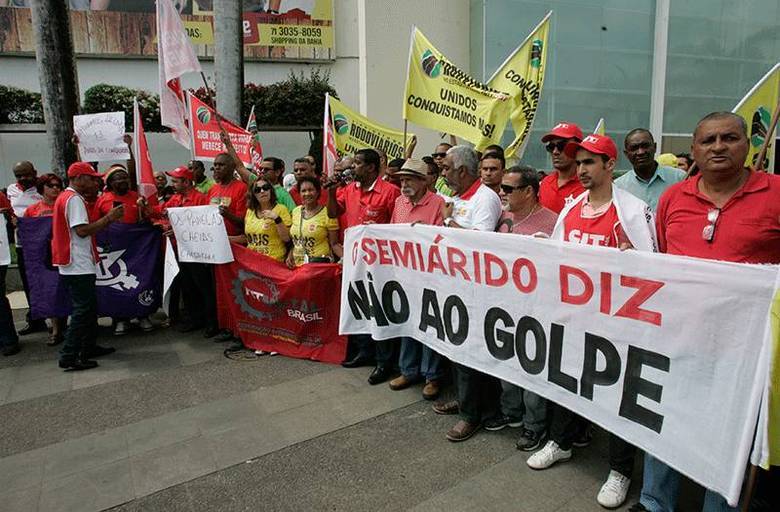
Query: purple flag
(128,275)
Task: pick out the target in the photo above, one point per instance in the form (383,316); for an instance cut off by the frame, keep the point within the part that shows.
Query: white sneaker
(145,324)
(613,492)
(547,456)
(121,328)
(273,353)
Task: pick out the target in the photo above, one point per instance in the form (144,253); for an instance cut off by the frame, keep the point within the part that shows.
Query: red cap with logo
(563,131)
(181,172)
(598,144)
(77,169)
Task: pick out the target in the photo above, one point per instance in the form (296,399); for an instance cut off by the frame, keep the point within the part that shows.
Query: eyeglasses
(262,188)
(552,146)
(438,155)
(508,189)
(708,233)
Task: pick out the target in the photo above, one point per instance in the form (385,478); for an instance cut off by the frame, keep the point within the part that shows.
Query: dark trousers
(383,352)
(565,426)
(23,274)
(621,456)
(478,394)
(8,336)
(81,335)
(198,293)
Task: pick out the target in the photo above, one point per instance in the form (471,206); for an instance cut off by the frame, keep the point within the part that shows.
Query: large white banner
(664,351)
(5,248)
(200,233)
(101,136)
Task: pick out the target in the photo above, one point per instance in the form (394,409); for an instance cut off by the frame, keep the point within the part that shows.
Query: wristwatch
(448,221)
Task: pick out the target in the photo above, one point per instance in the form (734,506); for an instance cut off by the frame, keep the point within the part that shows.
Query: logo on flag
(430,64)
(112,271)
(536,53)
(203,115)
(341,124)
(759,126)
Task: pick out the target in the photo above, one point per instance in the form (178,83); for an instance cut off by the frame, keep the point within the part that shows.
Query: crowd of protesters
(706,205)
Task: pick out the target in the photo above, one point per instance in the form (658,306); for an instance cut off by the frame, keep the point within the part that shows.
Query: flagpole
(212,102)
(405,123)
(769,135)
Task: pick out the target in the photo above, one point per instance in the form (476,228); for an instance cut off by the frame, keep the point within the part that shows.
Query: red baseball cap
(181,172)
(564,131)
(598,144)
(77,169)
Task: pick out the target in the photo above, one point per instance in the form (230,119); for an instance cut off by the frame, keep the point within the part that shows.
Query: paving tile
(171,465)
(47,385)
(372,401)
(38,371)
(25,500)
(225,414)
(91,490)
(84,453)
(307,421)
(161,431)
(244,443)
(22,471)
(100,375)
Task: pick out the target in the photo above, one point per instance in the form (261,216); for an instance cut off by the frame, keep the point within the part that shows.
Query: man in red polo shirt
(561,185)
(727,212)
(367,200)
(606,216)
(229,194)
(417,204)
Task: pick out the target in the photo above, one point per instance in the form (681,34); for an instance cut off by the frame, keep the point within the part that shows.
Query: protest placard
(100,136)
(5,249)
(652,347)
(201,236)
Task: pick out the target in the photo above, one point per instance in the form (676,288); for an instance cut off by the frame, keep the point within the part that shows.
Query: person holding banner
(315,236)
(266,223)
(607,216)
(49,186)
(418,205)
(75,253)
(561,186)
(367,200)
(475,206)
(726,212)
(9,339)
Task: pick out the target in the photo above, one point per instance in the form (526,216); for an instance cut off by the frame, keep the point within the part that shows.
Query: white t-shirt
(480,211)
(21,200)
(81,259)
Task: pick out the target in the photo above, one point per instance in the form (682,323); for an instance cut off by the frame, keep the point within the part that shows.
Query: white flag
(175,57)
(329,154)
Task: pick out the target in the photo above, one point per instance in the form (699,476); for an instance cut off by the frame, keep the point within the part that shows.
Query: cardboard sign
(100,136)
(201,236)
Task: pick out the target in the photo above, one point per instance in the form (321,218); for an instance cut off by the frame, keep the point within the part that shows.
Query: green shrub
(20,106)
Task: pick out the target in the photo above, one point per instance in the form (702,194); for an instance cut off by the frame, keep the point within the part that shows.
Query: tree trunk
(58,77)
(229,58)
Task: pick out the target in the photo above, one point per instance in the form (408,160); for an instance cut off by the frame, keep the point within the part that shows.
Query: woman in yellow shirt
(267,223)
(315,236)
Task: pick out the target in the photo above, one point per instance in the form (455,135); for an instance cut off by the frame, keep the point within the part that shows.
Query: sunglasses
(263,188)
(438,155)
(508,189)
(708,233)
(552,146)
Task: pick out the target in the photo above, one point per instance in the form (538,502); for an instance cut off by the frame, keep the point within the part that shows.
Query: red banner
(206,142)
(273,308)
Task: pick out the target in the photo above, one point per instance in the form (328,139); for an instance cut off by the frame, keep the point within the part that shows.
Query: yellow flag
(600,128)
(442,97)
(353,131)
(522,77)
(756,109)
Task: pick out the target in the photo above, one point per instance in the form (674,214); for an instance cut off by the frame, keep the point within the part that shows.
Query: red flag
(143,164)
(329,153)
(206,140)
(175,57)
(256,149)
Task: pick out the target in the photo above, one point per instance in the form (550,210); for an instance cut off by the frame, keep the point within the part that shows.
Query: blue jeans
(520,404)
(662,484)
(8,336)
(417,360)
(81,335)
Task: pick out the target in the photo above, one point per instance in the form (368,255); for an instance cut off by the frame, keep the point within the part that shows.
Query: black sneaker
(224,335)
(584,438)
(98,351)
(637,507)
(501,421)
(530,441)
(236,346)
(12,350)
(77,365)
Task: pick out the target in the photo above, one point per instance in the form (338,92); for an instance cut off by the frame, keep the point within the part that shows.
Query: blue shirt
(650,191)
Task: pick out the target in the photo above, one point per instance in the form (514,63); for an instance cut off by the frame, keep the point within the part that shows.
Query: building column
(658,82)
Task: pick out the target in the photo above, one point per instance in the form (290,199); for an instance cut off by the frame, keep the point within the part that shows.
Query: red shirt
(192,198)
(747,229)
(427,210)
(374,205)
(106,202)
(5,203)
(603,229)
(232,195)
(554,198)
(39,209)
(296,196)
